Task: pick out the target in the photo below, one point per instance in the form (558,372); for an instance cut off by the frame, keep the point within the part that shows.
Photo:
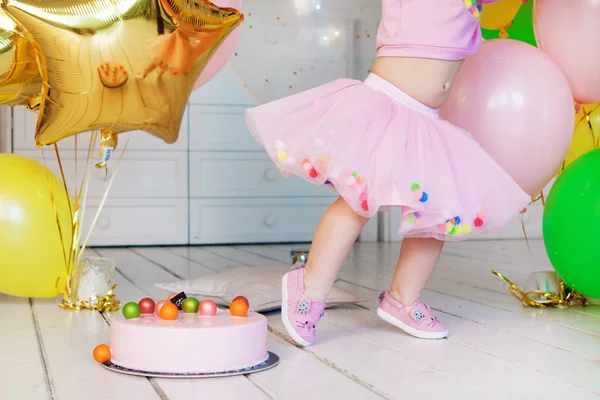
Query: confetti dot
(417,194)
(360,180)
(415,187)
(424,198)
(457,221)
(478,222)
(350,180)
(442,229)
(458,230)
(467,228)
(363,197)
(347,172)
(410,218)
(355,174)
(282,155)
(279,145)
(364,205)
(480,215)
(313,173)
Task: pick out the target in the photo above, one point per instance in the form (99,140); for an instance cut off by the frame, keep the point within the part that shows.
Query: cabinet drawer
(24,132)
(141,174)
(254,220)
(132,222)
(243,175)
(220,128)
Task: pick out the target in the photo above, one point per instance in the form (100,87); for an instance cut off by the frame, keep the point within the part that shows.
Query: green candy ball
(131,310)
(190,305)
(572,225)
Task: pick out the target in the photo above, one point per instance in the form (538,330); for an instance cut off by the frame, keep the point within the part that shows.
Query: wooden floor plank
(207,259)
(391,373)
(22,370)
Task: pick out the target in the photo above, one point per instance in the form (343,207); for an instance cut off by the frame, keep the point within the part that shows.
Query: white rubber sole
(284,315)
(408,329)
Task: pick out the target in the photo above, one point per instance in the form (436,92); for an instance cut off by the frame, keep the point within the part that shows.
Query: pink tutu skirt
(380,148)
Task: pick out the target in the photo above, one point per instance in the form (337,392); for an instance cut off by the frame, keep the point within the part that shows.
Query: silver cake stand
(272,360)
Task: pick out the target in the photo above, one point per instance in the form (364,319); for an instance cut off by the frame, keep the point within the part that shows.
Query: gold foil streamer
(109,301)
(564,299)
(106,303)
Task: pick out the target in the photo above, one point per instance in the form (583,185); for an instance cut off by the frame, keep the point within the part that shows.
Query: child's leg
(417,260)
(304,291)
(336,233)
(400,306)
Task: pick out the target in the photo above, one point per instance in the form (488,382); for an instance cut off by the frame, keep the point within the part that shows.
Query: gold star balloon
(122,65)
(20,80)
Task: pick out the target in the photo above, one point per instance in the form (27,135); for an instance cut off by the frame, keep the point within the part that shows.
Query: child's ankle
(402,299)
(311,290)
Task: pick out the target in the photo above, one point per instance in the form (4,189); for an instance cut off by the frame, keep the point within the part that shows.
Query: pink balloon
(568,32)
(224,53)
(517,104)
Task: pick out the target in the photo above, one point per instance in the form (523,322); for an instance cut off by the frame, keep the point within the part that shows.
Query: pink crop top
(441,29)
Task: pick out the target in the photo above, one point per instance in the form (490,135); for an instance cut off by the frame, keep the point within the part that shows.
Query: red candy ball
(158,307)
(207,308)
(147,305)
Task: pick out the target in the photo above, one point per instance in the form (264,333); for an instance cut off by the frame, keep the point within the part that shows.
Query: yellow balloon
(496,16)
(33,204)
(586,136)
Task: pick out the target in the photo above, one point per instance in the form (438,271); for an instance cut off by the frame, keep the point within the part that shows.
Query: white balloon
(288,46)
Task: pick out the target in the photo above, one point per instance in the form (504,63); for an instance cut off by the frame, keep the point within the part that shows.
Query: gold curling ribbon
(106,303)
(564,299)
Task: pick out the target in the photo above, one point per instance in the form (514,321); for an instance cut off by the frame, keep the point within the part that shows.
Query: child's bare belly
(426,80)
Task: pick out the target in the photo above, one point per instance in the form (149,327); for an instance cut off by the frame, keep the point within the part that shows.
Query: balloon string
(101,206)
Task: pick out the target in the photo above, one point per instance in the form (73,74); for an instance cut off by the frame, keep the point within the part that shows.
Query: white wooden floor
(496,349)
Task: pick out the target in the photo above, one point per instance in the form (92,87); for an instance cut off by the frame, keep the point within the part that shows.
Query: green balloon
(520,29)
(571,225)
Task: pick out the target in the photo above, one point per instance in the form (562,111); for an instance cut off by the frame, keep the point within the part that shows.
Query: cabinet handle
(103,222)
(270,221)
(270,175)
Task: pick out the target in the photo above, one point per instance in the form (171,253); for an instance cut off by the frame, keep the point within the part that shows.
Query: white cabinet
(237,194)
(148,201)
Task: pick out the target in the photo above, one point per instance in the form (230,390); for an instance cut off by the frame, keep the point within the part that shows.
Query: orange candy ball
(239,308)
(242,298)
(169,311)
(102,353)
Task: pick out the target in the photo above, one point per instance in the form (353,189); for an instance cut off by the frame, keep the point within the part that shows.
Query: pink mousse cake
(191,344)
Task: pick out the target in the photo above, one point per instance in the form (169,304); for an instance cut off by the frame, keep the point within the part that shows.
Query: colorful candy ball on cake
(238,308)
(102,353)
(190,305)
(147,305)
(169,311)
(208,308)
(131,310)
(158,306)
(242,298)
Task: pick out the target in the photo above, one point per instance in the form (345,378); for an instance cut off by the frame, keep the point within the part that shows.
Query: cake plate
(272,360)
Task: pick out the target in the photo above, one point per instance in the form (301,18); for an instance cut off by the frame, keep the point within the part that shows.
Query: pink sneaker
(417,320)
(300,315)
